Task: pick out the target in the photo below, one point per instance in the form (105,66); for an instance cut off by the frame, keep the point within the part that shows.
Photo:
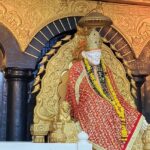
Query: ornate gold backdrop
(26,18)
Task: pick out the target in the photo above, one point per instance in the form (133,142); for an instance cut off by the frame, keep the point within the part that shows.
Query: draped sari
(96,115)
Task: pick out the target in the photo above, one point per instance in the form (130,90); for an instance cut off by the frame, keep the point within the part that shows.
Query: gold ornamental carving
(137,2)
(133,21)
(48,115)
(25,18)
(47,99)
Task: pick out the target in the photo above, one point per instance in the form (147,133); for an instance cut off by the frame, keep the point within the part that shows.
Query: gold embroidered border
(97,147)
(131,142)
(135,134)
(77,86)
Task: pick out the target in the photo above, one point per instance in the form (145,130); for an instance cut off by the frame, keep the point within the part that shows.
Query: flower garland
(101,76)
(112,99)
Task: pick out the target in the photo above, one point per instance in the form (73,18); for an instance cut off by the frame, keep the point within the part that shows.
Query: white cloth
(93,56)
(145,125)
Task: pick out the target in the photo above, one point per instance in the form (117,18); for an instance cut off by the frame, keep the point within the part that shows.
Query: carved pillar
(17,82)
(139,82)
(147,98)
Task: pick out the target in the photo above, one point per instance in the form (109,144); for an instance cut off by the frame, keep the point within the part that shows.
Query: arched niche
(113,38)
(68,24)
(10,47)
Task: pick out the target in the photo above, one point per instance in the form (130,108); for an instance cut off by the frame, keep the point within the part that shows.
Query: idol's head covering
(94,19)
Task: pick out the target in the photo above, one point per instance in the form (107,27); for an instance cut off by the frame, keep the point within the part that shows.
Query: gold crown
(94,19)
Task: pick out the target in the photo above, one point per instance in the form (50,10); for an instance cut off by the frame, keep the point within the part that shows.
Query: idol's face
(93,56)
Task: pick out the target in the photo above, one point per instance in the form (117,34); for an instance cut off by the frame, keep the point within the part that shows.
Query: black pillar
(139,82)
(147,99)
(17,83)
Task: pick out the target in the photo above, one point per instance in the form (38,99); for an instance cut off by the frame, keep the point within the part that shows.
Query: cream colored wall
(25,18)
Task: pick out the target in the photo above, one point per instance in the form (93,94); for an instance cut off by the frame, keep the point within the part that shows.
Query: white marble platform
(44,146)
(82,144)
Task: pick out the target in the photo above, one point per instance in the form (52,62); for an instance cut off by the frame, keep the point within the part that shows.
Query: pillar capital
(18,73)
(140,79)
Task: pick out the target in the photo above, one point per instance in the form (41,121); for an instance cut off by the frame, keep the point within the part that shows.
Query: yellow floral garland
(114,100)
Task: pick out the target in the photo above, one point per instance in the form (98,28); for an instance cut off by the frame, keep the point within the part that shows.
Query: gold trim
(36,88)
(69,24)
(75,21)
(31,55)
(118,41)
(77,86)
(107,32)
(62,25)
(66,38)
(113,36)
(97,147)
(35,48)
(133,2)
(50,30)
(100,30)
(122,47)
(58,44)
(44,59)
(44,36)
(135,134)
(39,41)
(36,81)
(41,70)
(126,54)
(56,27)
(130,61)
(51,52)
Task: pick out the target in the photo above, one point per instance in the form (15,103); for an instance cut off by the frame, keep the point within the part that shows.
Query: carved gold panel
(138,2)
(25,18)
(47,101)
(133,21)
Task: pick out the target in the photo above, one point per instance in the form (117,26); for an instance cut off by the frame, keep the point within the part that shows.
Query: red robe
(96,115)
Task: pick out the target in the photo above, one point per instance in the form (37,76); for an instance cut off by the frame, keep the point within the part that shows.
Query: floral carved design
(132,21)
(48,100)
(26,18)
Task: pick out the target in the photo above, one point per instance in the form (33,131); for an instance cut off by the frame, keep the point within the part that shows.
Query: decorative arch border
(60,26)
(47,33)
(115,40)
(110,36)
(30,57)
(118,43)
